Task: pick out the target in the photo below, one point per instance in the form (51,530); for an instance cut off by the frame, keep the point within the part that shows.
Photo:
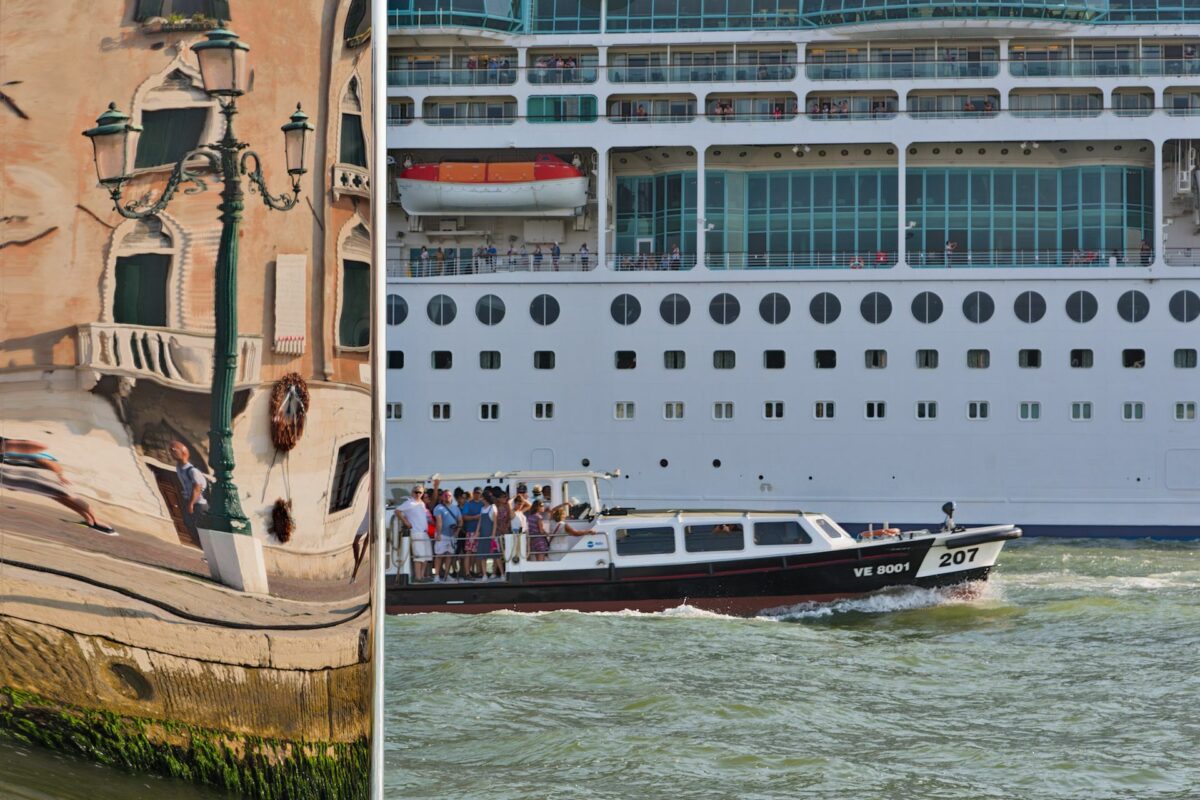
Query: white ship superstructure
(935,251)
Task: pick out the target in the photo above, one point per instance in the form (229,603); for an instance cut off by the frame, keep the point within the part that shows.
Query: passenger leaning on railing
(560,530)
(539,545)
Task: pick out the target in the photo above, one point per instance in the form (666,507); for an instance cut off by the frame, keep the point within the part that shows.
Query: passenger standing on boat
(584,256)
(555,255)
(502,526)
(414,516)
(559,530)
(520,526)
(481,545)
(537,257)
(472,509)
(439,261)
(538,543)
(423,262)
(449,526)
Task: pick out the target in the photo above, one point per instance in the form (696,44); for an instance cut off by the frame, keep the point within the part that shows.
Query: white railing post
(701,205)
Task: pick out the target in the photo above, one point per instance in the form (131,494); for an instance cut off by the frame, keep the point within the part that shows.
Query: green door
(141,296)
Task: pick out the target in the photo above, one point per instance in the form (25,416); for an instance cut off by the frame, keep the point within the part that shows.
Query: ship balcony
(702,65)
(961,104)
(400,111)
(651,108)
(1182,102)
(168,356)
(469,111)
(1077,103)
(562,66)
(751,108)
(454,66)
(867,60)
(826,70)
(842,106)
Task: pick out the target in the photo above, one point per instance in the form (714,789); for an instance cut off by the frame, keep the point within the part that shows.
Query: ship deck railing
(513,548)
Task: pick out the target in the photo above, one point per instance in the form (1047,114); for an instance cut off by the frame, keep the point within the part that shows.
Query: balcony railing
(1104,68)
(544,76)
(1183,256)
(702,74)
(811,260)
(645,119)
(889,70)
(651,262)
(171,357)
(1030,258)
(402,265)
(507,119)
(352,180)
(437,76)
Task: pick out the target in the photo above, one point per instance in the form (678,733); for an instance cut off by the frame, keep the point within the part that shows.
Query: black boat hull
(739,587)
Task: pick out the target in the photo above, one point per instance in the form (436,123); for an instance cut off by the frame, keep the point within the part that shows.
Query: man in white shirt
(415,517)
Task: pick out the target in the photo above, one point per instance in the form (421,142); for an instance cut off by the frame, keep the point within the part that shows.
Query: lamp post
(223,68)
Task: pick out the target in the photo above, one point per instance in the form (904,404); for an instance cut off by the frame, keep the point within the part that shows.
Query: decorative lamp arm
(142,208)
(282,202)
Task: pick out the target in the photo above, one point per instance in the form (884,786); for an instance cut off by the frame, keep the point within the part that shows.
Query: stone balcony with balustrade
(171,357)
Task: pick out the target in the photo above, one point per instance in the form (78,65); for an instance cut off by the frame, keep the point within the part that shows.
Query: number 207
(958,557)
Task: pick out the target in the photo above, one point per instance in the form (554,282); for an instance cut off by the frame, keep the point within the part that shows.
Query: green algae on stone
(253,767)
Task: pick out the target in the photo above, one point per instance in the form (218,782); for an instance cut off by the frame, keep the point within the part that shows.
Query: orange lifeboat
(546,186)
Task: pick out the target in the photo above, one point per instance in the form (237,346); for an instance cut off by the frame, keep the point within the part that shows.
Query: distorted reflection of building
(108,345)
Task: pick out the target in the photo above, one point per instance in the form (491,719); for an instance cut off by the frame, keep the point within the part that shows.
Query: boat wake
(901,598)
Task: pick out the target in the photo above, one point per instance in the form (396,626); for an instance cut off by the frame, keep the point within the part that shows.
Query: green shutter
(353,147)
(219,9)
(354,18)
(168,135)
(141,293)
(147,9)
(354,325)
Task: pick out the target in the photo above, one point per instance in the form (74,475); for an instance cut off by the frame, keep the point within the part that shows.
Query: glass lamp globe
(295,136)
(110,143)
(223,63)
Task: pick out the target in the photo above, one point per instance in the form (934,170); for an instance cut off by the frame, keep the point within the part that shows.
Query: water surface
(1075,674)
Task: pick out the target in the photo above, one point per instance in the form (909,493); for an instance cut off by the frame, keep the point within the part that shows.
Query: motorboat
(727,561)
(546,186)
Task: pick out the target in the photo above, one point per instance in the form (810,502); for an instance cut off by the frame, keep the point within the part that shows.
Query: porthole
(717,463)
(774,308)
(875,308)
(662,462)
(587,462)
(927,307)
(1133,306)
(397,309)
(724,308)
(675,309)
(489,309)
(1185,306)
(441,310)
(825,308)
(544,309)
(1029,307)
(1082,306)
(978,307)
(625,309)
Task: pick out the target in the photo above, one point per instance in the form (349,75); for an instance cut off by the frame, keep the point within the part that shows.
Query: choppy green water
(1075,675)
(33,773)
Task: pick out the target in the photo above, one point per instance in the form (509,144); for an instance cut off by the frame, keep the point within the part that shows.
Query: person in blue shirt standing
(449,527)
(471,510)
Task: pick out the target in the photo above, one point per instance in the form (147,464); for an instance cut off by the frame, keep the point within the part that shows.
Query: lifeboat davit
(544,187)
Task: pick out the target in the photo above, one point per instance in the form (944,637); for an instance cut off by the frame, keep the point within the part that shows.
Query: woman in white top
(559,530)
(520,527)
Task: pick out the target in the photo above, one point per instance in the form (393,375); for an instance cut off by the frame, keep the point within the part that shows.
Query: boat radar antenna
(948,509)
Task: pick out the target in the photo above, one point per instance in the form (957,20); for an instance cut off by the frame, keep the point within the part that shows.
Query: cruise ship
(863,256)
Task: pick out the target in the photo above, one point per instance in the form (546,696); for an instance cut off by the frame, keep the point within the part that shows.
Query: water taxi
(726,561)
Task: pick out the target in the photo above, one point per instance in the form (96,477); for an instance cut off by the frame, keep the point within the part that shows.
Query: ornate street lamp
(224,70)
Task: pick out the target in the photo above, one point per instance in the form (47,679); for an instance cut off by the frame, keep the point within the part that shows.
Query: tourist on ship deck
(439,261)
(423,262)
(584,256)
(537,257)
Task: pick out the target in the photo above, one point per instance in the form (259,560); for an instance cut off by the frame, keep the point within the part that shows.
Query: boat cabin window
(788,532)
(645,541)
(715,537)
(829,529)
(575,495)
